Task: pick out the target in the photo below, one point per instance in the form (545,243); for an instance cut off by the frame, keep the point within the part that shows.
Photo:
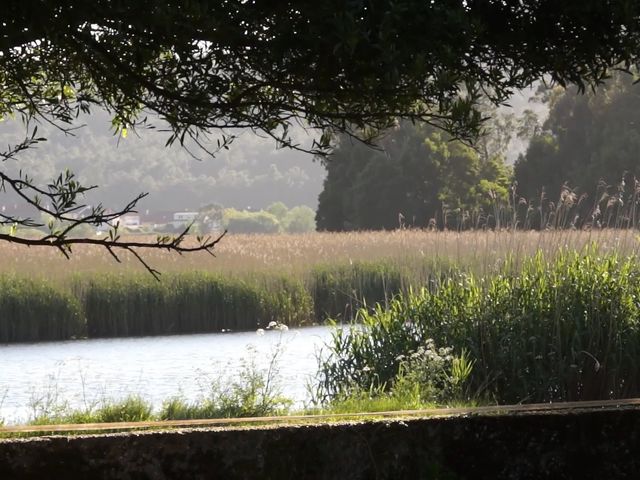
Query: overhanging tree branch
(339,67)
(115,243)
(61,199)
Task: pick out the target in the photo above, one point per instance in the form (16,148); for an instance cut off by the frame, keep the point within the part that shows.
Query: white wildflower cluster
(426,357)
(429,352)
(427,364)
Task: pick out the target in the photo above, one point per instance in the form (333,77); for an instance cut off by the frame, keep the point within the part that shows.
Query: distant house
(183,219)
(128,220)
(106,226)
(157,217)
(82,212)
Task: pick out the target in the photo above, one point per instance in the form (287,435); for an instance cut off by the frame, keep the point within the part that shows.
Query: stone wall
(602,444)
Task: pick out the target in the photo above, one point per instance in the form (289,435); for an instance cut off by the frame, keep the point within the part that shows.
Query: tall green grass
(339,291)
(567,329)
(32,310)
(187,303)
(136,304)
(129,409)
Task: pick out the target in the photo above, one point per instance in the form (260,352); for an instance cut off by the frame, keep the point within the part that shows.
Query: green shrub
(300,220)
(250,222)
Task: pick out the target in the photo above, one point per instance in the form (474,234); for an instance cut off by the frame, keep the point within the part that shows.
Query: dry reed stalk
(294,254)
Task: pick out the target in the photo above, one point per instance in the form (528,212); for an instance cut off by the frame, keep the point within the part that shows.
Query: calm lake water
(83,372)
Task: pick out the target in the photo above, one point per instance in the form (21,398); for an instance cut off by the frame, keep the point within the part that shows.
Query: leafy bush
(426,377)
(274,219)
(250,222)
(278,210)
(300,220)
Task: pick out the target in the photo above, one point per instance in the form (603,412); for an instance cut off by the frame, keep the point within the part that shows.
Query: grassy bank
(296,279)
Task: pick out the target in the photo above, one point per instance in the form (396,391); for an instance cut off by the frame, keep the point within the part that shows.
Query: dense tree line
(581,169)
(418,177)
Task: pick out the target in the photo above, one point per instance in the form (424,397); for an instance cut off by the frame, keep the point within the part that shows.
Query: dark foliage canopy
(350,66)
(209,65)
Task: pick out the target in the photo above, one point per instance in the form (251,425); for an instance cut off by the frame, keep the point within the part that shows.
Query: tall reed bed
(136,304)
(32,310)
(566,328)
(339,290)
(289,254)
(295,279)
(187,303)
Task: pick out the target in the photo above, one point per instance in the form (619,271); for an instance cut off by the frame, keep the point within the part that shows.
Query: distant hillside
(252,173)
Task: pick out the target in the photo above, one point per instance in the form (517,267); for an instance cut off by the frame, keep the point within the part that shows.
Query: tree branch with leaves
(60,201)
(209,69)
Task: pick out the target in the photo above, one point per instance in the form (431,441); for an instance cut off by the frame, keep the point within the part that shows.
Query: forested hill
(252,173)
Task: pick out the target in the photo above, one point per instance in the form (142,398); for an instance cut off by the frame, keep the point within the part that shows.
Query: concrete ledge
(596,444)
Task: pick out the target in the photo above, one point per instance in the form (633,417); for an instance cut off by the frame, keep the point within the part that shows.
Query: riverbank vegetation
(441,318)
(561,329)
(553,327)
(254,280)
(254,392)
